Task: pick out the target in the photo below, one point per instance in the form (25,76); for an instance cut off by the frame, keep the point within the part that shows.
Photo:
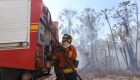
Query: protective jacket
(71,54)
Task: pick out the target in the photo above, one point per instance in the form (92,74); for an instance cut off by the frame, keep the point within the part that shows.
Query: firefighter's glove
(61,48)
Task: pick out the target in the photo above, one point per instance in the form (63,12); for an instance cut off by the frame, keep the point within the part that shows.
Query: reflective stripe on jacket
(68,70)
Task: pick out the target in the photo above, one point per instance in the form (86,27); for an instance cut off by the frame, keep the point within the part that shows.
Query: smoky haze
(107,39)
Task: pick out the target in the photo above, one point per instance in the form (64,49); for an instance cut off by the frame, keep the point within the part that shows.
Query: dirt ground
(92,77)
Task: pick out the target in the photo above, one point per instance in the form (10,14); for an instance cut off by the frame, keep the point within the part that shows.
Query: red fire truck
(25,29)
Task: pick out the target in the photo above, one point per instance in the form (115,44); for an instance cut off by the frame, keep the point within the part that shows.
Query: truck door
(14,22)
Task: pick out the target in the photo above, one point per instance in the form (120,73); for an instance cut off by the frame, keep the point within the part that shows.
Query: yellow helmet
(67,37)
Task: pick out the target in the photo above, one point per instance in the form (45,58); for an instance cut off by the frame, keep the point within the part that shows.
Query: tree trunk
(113,39)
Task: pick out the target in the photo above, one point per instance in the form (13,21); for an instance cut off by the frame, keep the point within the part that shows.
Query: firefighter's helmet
(67,37)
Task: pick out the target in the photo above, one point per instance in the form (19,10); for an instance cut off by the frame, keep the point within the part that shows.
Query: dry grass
(92,77)
(111,77)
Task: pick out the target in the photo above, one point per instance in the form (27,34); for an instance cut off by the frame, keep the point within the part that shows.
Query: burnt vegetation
(117,53)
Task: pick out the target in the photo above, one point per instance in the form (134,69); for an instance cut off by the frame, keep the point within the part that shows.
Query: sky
(56,7)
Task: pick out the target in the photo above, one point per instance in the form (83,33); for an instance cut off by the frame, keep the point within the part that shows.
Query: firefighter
(66,63)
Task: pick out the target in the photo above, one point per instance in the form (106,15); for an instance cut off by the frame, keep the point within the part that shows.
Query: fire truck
(26,29)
